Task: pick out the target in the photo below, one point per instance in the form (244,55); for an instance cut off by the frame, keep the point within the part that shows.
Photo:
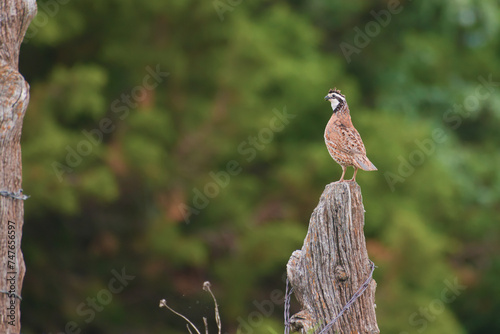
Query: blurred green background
(168,143)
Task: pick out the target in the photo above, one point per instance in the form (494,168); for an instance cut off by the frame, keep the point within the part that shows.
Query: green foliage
(199,175)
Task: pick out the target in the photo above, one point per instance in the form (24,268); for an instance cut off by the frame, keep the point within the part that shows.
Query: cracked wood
(332,265)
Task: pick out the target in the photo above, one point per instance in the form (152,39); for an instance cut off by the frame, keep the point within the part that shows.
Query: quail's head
(335,98)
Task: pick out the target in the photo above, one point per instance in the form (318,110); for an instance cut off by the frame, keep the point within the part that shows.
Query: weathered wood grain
(15,16)
(332,265)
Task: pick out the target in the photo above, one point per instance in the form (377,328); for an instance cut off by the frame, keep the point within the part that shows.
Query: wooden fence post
(15,16)
(333,267)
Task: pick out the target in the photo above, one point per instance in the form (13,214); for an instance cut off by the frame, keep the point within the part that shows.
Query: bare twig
(163,303)
(206,287)
(206,325)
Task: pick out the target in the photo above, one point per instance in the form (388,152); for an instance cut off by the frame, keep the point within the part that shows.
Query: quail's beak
(327,98)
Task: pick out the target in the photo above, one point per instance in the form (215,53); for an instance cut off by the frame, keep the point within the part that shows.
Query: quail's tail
(364,163)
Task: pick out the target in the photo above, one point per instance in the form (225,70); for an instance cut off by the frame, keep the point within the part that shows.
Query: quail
(342,139)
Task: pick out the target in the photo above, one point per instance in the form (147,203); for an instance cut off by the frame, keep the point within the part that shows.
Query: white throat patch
(334,103)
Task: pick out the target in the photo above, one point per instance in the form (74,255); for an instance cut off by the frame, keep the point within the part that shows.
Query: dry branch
(206,287)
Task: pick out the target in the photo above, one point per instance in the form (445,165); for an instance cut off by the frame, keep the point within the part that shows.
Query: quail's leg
(343,173)
(354,175)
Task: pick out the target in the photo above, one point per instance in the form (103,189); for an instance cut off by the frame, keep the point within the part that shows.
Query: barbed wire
(18,195)
(11,294)
(358,294)
(288,295)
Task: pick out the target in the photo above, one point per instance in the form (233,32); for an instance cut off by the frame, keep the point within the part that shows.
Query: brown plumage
(342,139)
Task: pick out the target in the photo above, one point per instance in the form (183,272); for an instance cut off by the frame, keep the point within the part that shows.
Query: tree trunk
(15,16)
(333,265)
